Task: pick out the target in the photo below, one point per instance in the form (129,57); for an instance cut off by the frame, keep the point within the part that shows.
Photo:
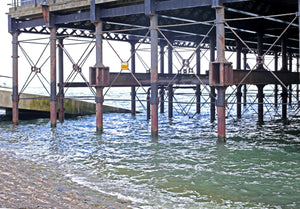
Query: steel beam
(198,89)
(297,89)
(212,46)
(245,86)
(61,113)
(284,68)
(276,86)
(221,113)
(154,75)
(133,91)
(239,102)
(53,111)
(290,66)
(260,107)
(15,93)
(220,43)
(255,78)
(170,89)
(99,63)
(239,88)
(162,71)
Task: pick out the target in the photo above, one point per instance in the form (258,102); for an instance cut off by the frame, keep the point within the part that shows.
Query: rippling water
(258,166)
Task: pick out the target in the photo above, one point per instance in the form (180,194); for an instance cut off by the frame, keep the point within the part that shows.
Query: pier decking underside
(262,28)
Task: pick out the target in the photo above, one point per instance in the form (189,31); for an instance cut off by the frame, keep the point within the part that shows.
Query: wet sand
(25,185)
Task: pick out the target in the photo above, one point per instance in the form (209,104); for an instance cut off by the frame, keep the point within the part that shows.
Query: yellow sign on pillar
(124,66)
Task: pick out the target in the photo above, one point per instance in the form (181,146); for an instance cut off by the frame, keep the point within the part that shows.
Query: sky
(5,41)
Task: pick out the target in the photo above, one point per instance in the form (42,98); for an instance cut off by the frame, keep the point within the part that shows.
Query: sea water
(185,167)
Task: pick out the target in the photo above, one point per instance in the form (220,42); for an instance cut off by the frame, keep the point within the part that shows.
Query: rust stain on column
(99,63)
(15,94)
(53,112)
(154,75)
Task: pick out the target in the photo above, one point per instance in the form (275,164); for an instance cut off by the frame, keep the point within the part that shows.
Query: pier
(243,43)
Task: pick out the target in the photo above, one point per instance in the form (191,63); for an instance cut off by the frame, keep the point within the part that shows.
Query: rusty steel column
(61,113)
(133,91)
(239,88)
(198,89)
(53,111)
(284,93)
(99,64)
(154,75)
(260,107)
(220,43)
(221,113)
(245,86)
(291,85)
(298,14)
(170,88)
(148,104)
(276,86)
(297,89)
(15,91)
(162,71)
(212,95)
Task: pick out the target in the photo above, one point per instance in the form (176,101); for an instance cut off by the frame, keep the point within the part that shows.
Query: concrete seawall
(30,103)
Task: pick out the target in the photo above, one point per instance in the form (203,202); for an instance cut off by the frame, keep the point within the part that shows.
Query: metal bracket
(99,100)
(150,7)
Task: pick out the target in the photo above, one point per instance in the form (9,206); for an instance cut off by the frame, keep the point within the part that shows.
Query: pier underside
(215,47)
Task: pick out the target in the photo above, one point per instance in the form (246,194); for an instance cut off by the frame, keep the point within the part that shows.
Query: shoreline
(25,184)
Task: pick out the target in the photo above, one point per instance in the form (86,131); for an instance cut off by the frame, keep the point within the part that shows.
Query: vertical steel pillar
(239,102)
(15,93)
(239,88)
(238,55)
(162,71)
(284,93)
(53,112)
(133,91)
(297,89)
(148,104)
(170,89)
(220,43)
(276,86)
(154,75)
(212,47)
(260,88)
(198,89)
(245,86)
(291,85)
(298,48)
(99,63)
(260,108)
(61,113)
(260,50)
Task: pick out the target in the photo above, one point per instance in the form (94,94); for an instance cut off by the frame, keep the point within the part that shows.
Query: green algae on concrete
(41,103)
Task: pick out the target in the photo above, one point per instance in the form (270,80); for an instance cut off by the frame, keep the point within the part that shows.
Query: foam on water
(258,166)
